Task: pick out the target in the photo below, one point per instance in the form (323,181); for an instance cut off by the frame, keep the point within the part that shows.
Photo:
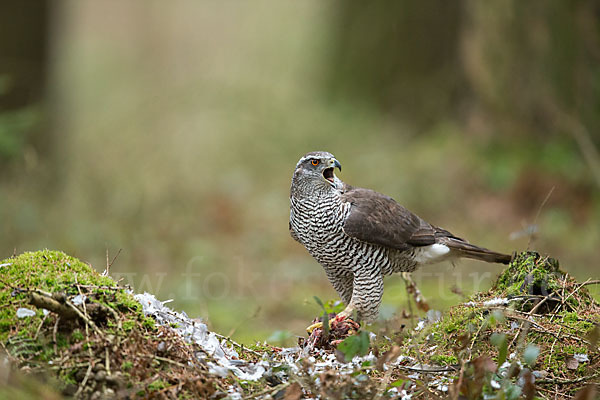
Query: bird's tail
(462,248)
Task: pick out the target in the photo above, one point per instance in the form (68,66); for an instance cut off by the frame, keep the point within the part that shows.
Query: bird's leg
(342,283)
(366,294)
(348,312)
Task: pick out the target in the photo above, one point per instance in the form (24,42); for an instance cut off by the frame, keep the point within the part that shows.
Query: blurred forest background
(171,130)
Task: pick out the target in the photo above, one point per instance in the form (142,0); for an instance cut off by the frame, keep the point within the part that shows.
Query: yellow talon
(319,325)
(314,326)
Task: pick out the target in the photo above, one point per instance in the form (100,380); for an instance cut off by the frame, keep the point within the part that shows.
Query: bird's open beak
(328,172)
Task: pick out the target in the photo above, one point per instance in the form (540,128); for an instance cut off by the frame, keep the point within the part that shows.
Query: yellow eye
(314,162)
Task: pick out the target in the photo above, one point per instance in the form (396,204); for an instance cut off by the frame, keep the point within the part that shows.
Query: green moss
(454,323)
(148,323)
(54,271)
(465,330)
(157,385)
(77,335)
(126,366)
(444,360)
(128,325)
(32,338)
(529,273)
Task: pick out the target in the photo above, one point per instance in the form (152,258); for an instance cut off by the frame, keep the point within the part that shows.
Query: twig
(548,315)
(541,329)
(168,360)
(84,381)
(539,211)
(384,383)
(108,265)
(68,310)
(474,339)
(87,338)
(432,370)
(527,322)
(243,322)
(37,332)
(269,390)
(579,287)
(567,381)
(70,366)
(106,361)
(100,287)
(562,294)
(54,330)
(552,347)
(588,282)
(228,339)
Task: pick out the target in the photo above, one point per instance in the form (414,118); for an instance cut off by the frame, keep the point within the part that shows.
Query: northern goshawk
(359,235)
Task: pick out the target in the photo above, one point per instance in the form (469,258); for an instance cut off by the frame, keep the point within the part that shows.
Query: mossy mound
(535,320)
(62,320)
(530,276)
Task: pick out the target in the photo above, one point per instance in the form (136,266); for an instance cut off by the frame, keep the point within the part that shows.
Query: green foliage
(531,354)
(77,336)
(157,385)
(512,392)
(325,317)
(357,345)
(334,306)
(499,340)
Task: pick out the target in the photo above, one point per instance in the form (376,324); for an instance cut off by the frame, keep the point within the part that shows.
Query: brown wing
(379,219)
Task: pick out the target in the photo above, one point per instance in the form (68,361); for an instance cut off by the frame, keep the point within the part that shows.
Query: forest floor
(67,330)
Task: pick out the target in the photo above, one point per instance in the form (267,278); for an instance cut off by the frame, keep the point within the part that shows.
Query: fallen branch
(66,309)
(432,370)
(240,346)
(568,381)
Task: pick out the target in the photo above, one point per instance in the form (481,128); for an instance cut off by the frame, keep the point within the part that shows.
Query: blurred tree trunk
(509,62)
(399,56)
(526,60)
(23,71)
(533,69)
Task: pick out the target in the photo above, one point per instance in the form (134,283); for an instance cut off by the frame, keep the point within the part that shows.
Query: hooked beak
(336,164)
(328,172)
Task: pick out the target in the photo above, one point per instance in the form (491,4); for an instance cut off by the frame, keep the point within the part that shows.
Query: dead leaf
(293,392)
(587,393)
(389,356)
(462,341)
(592,336)
(529,385)
(572,363)
(484,364)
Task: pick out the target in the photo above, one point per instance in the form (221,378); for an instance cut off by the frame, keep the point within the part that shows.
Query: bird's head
(315,172)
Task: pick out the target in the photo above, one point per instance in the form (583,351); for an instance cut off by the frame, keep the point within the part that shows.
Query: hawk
(359,235)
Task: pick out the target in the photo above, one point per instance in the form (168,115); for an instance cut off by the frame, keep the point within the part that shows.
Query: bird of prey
(359,235)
